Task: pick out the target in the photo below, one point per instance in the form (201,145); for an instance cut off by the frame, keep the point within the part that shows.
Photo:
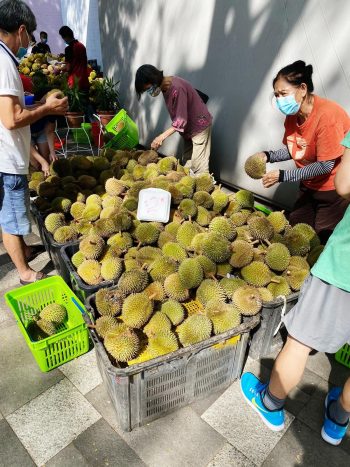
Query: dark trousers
(320,209)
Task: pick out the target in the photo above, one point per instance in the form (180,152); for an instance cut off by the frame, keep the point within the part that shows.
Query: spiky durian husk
(190,273)
(248,300)
(223,316)
(137,309)
(135,280)
(54,312)
(175,289)
(210,289)
(195,328)
(256,273)
(174,311)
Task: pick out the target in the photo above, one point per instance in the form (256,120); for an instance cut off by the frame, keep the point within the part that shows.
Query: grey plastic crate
(144,392)
(53,248)
(262,339)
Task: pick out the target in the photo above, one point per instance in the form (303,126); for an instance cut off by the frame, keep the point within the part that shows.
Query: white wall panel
(231,50)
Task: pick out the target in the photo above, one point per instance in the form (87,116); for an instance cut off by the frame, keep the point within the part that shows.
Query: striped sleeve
(307,172)
(278,156)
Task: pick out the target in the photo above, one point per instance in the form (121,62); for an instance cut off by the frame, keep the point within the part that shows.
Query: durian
(92,246)
(216,247)
(242,253)
(223,226)
(256,273)
(277,257)
(133,281)
(223,316)
(255,166)
(122,345)
(175,289)
(157,324)
(137,309)
(208,290)
(53,221)
(174,311)
(90,272)
(248,300)
(190,273)
(54,312)
(105,324)
(195,328)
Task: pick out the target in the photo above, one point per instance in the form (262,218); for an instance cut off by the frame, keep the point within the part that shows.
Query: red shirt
(75,56)
(318,139)
(27,83)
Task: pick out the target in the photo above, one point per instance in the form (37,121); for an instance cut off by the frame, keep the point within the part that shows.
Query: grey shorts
(321,317)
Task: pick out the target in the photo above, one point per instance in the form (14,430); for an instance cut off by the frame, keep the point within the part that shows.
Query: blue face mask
(43,40)
(153,91)
(288,105)
(21,52)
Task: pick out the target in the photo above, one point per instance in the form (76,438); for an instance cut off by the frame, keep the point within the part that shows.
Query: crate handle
(283,312)
(80,308)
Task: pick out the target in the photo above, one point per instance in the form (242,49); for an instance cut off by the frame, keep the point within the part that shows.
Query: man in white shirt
(17,23)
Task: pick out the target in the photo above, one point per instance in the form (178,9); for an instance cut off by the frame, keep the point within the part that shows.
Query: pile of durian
(47,322)
(216,249)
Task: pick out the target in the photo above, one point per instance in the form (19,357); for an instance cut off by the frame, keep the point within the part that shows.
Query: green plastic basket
(125,131)
(81,136)
(343,355)
(72,339)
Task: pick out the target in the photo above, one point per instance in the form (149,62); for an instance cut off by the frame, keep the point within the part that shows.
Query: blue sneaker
(252,390)
(332,432)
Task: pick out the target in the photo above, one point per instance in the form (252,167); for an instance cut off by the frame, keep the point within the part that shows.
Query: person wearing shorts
(43,136)
(321,321)
(188,112)
(17,23)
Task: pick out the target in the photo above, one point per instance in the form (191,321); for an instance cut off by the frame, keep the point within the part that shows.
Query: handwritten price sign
(154,205)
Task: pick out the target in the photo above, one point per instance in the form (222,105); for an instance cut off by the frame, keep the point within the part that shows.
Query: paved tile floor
(64,418)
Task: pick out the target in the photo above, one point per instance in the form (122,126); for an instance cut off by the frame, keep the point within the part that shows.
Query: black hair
(147,74)
(43,33)
(296,74)
(14,13)
(66,31)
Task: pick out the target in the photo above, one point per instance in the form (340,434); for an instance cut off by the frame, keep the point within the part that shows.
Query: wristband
(267,154)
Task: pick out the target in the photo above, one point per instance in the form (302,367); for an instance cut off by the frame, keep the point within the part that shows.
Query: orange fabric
(318,139)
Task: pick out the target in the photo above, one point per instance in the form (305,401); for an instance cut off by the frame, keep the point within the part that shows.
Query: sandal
(39,275)
(36,250)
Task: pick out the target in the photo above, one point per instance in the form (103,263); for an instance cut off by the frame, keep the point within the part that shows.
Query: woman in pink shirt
(189,114)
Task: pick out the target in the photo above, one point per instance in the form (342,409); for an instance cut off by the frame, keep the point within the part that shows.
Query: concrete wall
(82,17)
(49,18)
(231,50)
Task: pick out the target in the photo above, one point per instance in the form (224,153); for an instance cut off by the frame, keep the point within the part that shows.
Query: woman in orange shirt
(314,128)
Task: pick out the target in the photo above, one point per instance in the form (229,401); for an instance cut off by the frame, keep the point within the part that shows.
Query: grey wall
(231,50)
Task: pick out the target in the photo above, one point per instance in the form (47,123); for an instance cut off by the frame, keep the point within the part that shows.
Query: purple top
(188,112)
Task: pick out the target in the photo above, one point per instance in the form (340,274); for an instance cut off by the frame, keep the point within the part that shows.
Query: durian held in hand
(255,165)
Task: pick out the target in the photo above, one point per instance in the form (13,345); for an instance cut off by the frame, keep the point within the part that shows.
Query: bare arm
(342,177)
(14,116)
(158,141)
(36,158)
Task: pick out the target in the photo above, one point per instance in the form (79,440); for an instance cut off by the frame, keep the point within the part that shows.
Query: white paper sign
(154,205)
